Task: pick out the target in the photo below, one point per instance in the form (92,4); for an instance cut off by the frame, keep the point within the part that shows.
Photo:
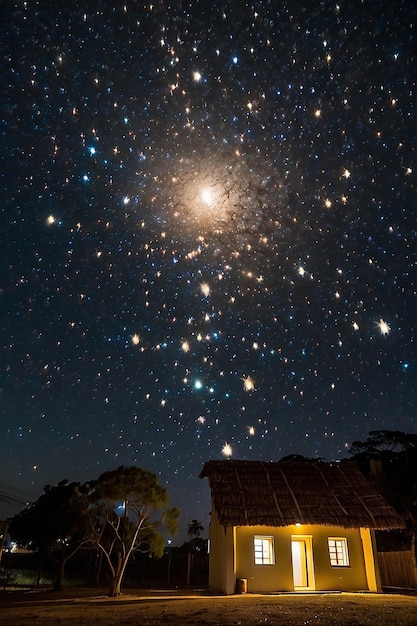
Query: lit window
(264,550)
(338,552)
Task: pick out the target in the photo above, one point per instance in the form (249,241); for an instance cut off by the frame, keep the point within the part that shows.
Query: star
(207,224)
(383,327)
(248,384)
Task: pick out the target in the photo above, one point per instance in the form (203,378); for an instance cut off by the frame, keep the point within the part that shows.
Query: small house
(294,526)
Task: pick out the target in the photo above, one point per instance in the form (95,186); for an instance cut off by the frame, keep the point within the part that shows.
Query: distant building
(294,526)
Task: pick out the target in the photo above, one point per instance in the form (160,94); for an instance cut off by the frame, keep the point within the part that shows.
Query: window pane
(338,552)
(263,550)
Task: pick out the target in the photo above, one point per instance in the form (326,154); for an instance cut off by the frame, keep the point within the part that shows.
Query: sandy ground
(87,607)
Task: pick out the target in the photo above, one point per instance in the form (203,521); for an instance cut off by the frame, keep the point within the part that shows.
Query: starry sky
(208,235)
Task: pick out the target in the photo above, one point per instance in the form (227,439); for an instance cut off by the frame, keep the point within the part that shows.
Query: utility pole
(3,538)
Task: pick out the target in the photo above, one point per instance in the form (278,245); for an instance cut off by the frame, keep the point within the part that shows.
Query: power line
(14,497)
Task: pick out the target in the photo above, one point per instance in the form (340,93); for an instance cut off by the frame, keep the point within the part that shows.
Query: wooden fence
(397,569)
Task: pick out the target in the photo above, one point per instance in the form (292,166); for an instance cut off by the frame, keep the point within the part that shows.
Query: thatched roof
(251,493)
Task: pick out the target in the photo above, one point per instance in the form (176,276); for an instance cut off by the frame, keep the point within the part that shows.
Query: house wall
(222,576)
(263,578)
(279,577)
(371,560)
(227,564)
(352,578)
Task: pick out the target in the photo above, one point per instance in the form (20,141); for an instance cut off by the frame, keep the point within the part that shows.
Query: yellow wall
(371,562)
(222,577)
(226,565)
(279,577)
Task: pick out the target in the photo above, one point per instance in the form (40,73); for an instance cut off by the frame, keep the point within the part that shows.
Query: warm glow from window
(338,552)
(264,550)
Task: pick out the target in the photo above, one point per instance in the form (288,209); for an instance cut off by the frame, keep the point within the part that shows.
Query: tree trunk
(115,585)
(59,577)
(189,567)
(116,578)
(98,562)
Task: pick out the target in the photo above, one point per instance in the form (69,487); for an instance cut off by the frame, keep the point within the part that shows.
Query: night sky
(208,235)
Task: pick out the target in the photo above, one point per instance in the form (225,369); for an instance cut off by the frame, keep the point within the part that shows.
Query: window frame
(338,552)
(264,554)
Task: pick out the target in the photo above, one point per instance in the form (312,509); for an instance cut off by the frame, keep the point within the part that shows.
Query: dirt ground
(78,607)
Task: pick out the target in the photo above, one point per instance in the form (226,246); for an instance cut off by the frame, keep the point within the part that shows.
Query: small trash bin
(241,585)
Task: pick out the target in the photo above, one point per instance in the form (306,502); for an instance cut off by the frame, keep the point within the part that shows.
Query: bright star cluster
(209,238)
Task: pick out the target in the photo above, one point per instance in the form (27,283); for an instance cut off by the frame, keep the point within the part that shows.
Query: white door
(302,563)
